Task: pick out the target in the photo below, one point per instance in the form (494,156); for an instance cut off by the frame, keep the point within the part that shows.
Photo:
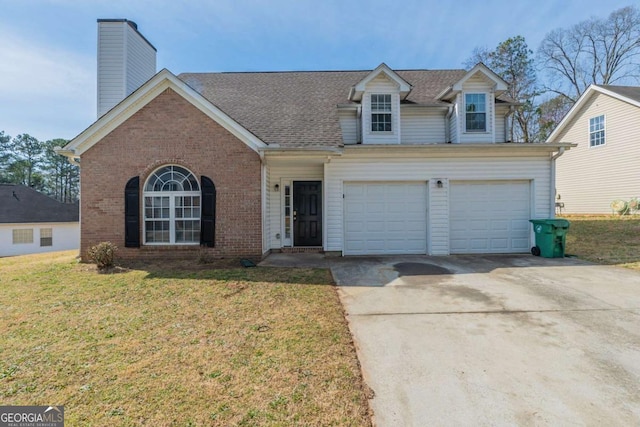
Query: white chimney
(125,61)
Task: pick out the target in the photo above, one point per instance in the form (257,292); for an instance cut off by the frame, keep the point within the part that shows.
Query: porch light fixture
(276,188)
(439,184)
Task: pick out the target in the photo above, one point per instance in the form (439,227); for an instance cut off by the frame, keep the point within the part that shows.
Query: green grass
(613,240)
(170,345)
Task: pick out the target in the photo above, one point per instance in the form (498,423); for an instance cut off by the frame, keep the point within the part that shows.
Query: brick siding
(169,130)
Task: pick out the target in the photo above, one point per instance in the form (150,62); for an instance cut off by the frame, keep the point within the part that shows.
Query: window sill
(476,132)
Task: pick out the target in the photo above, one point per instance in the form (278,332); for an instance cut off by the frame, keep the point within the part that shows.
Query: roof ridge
(316,71)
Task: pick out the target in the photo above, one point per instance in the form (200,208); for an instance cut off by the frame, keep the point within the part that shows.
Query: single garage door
(489,217)
(385,218)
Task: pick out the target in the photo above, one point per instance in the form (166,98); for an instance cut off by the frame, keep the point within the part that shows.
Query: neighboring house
(31,222)
(605,125)
(379,161)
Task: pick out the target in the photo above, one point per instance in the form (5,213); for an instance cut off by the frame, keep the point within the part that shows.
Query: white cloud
(46,91)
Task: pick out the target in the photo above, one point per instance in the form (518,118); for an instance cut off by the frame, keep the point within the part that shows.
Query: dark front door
(307,213)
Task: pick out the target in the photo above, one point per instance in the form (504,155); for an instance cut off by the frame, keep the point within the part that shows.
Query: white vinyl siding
(422,125)
(501,124)
(141,61)
(111,62)
(477,84)
(348,126)
(65,236)
(285,175)
(589,179)
(385,218)
(381,85)
(125,62)
(339,171)
(489,217)
(266,207)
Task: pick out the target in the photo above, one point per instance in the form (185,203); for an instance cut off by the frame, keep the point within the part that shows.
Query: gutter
(69,154)
(552,190)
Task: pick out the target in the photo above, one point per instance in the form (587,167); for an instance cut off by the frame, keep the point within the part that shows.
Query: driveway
(494,340)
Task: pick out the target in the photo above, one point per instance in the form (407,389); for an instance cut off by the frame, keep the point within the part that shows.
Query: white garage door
(385,218)
(489,217)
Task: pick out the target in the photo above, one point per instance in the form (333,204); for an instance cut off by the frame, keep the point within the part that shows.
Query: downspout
(552,190)
(359,125)
(447,125)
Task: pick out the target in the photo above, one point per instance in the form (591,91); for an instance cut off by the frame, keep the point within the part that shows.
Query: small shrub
(102,254)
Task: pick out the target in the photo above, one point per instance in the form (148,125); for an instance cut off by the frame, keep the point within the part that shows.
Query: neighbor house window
(476,112)
(172,207)
(46,237)
(381,113)
(22,235)
(596,131)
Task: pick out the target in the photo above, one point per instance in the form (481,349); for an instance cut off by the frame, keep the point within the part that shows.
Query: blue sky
(48,47)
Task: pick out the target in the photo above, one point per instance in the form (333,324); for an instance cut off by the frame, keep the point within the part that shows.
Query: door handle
(295,215)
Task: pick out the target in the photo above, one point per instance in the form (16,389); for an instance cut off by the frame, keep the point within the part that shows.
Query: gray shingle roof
(299,109)
(20,204)
(631,92)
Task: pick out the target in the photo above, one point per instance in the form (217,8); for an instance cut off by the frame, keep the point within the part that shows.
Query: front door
(307,213)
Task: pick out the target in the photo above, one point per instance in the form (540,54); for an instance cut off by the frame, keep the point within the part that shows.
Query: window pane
(475,107)
(46,237)
(187,231)
(596,131)
(157,231)
(23,235)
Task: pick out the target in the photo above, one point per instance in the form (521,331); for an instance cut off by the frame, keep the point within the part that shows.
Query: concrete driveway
(493,340)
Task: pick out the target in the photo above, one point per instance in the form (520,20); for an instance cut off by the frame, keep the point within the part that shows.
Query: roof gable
(21,204)
(628,94)
(355,94)
(499,85)
(142,96)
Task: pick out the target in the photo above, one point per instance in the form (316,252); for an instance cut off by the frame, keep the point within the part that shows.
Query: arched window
(172,207)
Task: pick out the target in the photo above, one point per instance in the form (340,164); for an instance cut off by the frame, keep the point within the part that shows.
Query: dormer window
(476,112)
(381,113)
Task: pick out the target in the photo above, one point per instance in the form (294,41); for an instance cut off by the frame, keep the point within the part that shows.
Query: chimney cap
(132,25)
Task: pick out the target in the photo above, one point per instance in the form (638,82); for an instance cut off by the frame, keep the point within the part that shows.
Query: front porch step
(302,250)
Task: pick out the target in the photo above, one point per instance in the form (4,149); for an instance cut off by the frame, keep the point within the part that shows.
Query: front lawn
(605,239)
(170,345)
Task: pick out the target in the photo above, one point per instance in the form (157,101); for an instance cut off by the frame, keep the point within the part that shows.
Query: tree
(550,113)
(512,60)
(62,176)
(595,51)
(28,153)
(5,156)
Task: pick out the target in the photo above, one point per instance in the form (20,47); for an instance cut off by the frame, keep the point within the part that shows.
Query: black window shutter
(132,213)
(208,219)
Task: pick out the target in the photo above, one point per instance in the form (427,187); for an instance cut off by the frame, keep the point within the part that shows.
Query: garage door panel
(393,217)
(489,216)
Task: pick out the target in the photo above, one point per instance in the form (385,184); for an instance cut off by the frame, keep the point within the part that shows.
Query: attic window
(476,112)
(381,113)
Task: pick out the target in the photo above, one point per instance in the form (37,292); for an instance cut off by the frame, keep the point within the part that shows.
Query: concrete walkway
(492,340)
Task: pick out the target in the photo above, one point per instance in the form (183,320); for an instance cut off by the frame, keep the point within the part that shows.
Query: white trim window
(22,236)
(475,107)
(46,237)
(172,207)
(596,131)
(381,113)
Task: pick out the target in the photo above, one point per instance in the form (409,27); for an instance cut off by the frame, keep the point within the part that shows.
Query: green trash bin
(551,237)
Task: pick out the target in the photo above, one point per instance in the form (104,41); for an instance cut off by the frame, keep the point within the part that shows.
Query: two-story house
(379,161)
(605,125)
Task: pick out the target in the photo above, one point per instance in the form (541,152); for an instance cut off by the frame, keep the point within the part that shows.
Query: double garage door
(391,218)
